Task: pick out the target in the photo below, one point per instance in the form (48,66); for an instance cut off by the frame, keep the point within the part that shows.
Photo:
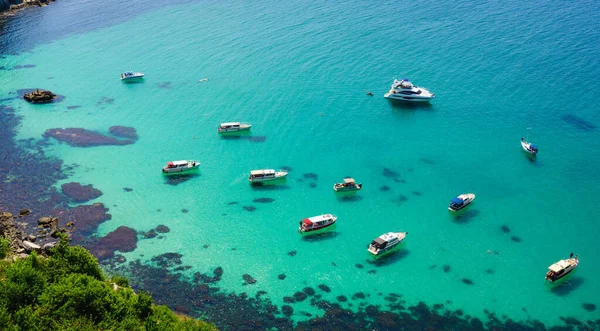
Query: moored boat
(263,175)
(316,223)
(348,185)
(131,76)
(529,147)
(233,127)
(461,201)
(180,166)
(386,242)
(404,90)
(561,268)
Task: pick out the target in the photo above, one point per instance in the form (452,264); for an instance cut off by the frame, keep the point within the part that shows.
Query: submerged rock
(249,279)
(162,229)
(123,132)
(78,137)
(80,193)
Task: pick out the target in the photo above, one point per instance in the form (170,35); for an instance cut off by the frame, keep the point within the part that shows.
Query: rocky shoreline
(10,7)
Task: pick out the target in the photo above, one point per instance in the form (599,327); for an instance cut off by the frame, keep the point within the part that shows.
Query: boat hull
(561,276)
(262,180)
(180,171)
(397,97)
(221,130)
(315,229)
(347,189)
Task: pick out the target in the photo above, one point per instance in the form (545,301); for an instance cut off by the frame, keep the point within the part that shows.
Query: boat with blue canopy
(529,147)
(461,201)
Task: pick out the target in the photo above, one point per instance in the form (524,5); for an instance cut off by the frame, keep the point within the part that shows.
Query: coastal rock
(24,212)
(29,246)
(39,96)
(47,222)
(31,238)
(79,137)
(80,193)
(48,246)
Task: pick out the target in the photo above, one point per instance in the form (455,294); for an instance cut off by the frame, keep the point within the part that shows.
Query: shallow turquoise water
(298,72)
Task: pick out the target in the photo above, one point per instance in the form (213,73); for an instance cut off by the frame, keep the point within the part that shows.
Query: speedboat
(234,127)
(131,76)
(561,268)
(461,201)
(404,90)
(529,147)
(180,166)
(348,185)
(258,176)
(386,242)
(316,223)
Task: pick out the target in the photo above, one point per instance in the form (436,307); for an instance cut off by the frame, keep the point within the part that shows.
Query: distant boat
(316,223)
(404,90)
(258,176)
(131,76)
(529,147)
(386,242)
(348,185)
(561,268)
(180,166)
(461,201)
(233,127)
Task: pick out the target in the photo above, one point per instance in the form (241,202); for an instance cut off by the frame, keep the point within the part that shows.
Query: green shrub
(4,247)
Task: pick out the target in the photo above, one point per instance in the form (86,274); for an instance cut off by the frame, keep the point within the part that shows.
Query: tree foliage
(68,291)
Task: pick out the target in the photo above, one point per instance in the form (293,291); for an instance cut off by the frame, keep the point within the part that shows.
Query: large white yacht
(258,176)
(404,90)
(386,242)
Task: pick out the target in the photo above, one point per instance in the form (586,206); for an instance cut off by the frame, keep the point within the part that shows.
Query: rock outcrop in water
(39,96)
(14,5)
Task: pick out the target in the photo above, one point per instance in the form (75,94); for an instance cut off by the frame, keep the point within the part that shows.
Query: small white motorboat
(180,166)
(234,127)
(131,76)
(258,176)
(386,242)
(348,185)
(529,147)
(316,223)
(404,90)
(561,268)
(461,201)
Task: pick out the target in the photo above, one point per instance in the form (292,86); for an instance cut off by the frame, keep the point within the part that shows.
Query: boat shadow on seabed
(390,257)
(566,285)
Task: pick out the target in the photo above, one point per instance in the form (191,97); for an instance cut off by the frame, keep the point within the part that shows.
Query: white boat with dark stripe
(386,242)
(264,175)
(131,76)
(234,127)
(180,166)
(404,90)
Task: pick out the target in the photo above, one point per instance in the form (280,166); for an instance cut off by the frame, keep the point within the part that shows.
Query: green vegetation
(68,291)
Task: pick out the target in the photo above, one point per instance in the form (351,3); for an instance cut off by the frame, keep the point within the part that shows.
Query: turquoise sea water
(298,72)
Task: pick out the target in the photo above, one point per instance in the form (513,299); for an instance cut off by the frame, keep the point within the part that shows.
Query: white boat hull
(261,180)
(167,170)
(392,96)
(223,130)
(373,250)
